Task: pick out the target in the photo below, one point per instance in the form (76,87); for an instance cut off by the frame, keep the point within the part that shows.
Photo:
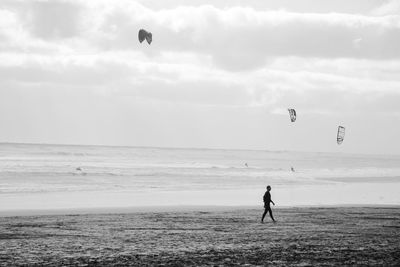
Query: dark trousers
(267,209)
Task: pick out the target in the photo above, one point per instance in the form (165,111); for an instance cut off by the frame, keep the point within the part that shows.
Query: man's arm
(272,202)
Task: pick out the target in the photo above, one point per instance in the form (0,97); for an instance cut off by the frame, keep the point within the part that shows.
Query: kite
(340,135)
(292,114)
(143,34)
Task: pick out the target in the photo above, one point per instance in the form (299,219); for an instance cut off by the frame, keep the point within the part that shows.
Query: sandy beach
(330,236)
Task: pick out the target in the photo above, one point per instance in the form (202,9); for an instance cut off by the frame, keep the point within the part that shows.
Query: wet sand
(330,236)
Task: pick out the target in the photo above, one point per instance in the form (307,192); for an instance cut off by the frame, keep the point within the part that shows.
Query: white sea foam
(33,176)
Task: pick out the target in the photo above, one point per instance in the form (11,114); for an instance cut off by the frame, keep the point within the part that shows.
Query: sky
(218,74)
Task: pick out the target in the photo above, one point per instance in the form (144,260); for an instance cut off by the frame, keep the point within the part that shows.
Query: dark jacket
(267,198)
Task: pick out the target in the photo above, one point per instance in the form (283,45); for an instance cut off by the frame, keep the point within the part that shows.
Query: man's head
(268,188)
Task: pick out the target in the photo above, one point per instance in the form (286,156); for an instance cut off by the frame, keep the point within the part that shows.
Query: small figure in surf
(267,200)
(79,171)
(246,165)
(292,169)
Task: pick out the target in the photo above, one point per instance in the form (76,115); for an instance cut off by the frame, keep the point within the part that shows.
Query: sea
(67,177)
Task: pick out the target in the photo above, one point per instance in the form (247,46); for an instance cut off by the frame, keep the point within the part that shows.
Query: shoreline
(175,208)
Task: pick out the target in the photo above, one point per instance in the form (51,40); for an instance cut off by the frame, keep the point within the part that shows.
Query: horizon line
(196,148)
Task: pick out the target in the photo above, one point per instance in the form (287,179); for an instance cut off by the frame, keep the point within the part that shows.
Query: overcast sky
(219,74)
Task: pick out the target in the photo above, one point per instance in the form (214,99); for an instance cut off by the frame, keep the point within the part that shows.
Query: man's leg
(270,213)
(265,213)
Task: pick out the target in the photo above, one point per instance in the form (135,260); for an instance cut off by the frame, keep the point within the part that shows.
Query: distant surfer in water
(267,200)
(246,165)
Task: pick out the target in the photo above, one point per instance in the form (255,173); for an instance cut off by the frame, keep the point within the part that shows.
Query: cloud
(76,64)
(241,38)
(48,19)
(236,38)
(314,86)
(389,7)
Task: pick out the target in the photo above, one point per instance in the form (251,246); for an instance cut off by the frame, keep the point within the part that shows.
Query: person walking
(267,208)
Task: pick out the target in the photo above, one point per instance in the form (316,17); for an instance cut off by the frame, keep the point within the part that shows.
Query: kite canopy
(340,135)
(143,34)
(292,114)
